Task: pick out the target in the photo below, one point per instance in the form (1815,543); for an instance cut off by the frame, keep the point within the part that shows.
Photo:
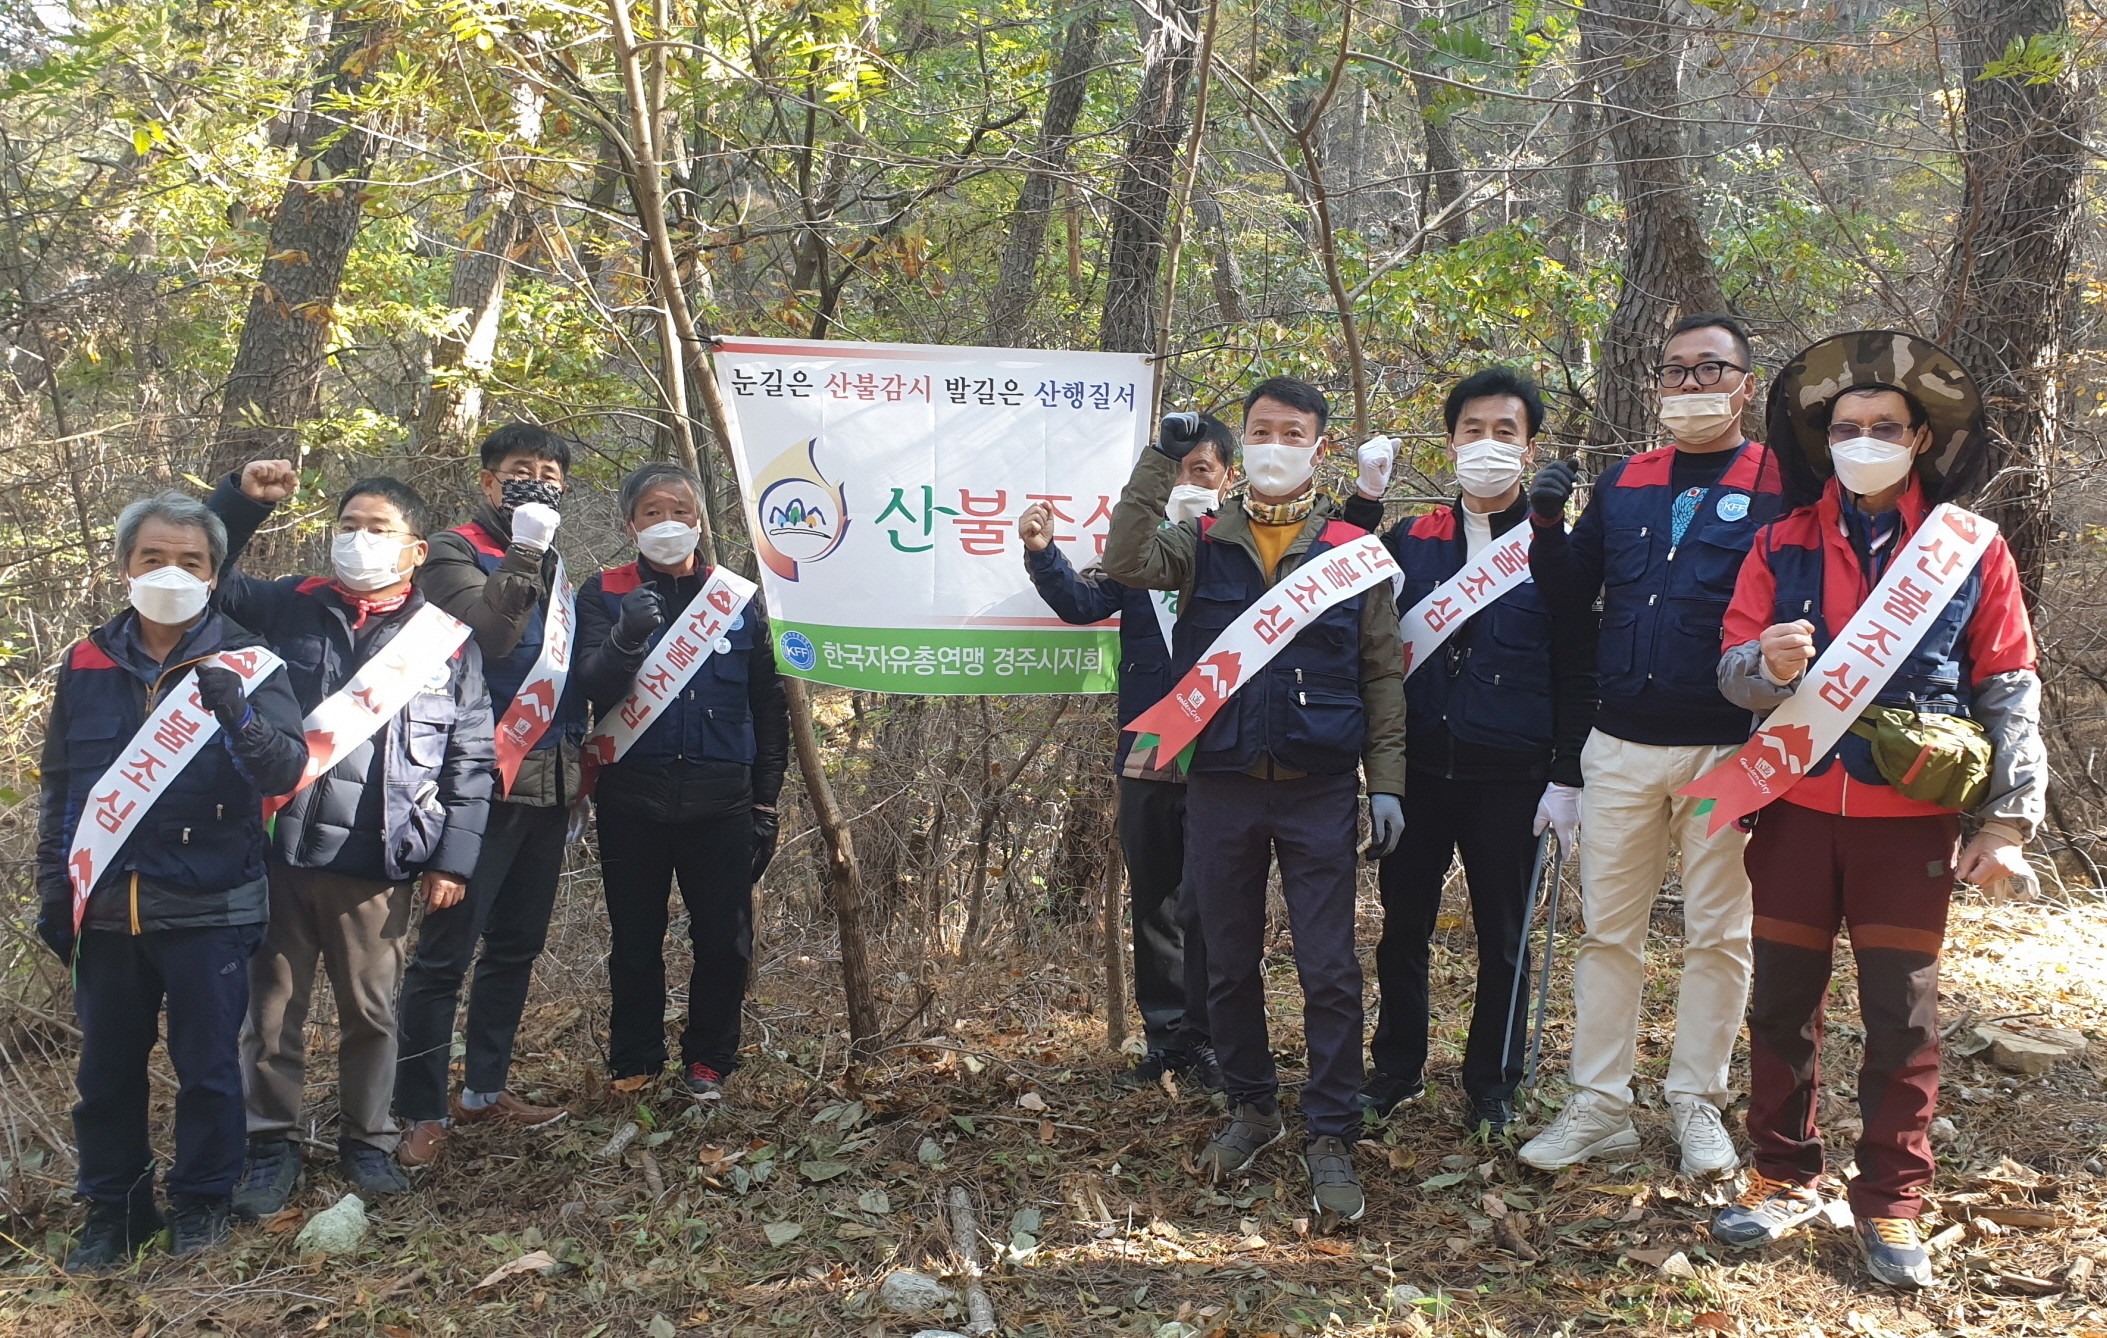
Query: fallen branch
(965,1236)
(624,1136)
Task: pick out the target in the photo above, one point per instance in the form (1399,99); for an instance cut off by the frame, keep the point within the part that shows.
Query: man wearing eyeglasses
(1661,540)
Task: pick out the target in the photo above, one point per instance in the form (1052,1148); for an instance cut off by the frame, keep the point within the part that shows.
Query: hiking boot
(199,1225)
(703,1082)
(1894,1254)
(1251,1130)
(1147,1072)
(509,1109)
(268,1179)
(421,1143)
(1203,1070)
(1579,1133)
(1334,1188)
(371,1171)
(1385,1092)
(113,1233)
(1486,1116)
(1708,1150)
(1766,1210)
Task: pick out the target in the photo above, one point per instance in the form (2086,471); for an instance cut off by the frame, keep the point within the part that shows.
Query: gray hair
(647,477)
(174,508)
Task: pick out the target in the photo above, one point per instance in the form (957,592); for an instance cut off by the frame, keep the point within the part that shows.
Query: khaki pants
(1628,813)
(357,930)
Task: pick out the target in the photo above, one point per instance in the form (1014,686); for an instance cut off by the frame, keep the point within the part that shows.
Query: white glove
(534,524)
(1559,810)
(1377,455)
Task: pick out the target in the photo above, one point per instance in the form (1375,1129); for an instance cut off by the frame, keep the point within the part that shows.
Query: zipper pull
(1671,551)
(1303,697)
(186,836)
(219,812)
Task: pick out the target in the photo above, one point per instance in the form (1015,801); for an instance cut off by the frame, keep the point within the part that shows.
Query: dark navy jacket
(1510,695)
(1662,603)
(722,745)
(1305,710)
(196,858)
(1091,596)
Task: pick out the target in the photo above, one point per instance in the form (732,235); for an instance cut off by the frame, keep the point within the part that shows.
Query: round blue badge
(737,622)
(797,650)
(1734,506)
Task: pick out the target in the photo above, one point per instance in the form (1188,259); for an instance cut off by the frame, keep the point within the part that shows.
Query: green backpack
(1940,759)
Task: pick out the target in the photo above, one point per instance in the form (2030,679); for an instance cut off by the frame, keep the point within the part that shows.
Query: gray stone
(906,1292)
(2033,1051)
(337,1229)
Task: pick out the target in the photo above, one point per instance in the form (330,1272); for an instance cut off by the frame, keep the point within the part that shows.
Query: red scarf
(368,606)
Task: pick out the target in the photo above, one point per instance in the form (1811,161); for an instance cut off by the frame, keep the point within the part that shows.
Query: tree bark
(1221,258)
(276,381)
(2008,276)
(844,880)
(1632,49)
(1016,283)
(475,297)
(1141,203)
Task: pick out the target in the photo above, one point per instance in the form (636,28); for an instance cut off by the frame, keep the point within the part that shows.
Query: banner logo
(798,515)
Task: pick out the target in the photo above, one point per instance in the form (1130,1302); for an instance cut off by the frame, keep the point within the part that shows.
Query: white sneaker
(1579,1133)
(1708,1150)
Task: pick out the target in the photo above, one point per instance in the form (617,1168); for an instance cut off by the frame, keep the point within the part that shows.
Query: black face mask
(519,492)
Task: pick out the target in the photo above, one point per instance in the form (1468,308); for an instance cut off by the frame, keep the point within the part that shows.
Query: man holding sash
(399,768)
(1495,717)
(1289,665)
(1881,629)
(686,764)
(501,575)
(1170,964)
(169,725)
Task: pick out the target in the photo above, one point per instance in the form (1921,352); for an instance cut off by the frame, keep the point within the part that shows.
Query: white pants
(1628,812)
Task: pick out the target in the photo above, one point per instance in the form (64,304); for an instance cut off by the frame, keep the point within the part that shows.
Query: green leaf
(964,1122)
(782,1233)
(1444,1181)
(875,1201)
(661,1327)
(816,1171)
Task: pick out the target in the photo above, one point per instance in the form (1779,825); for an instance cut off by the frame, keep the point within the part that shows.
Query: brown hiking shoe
(421,1142)
(509,1109)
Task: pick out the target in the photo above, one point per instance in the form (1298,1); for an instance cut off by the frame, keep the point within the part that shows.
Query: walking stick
(1543,988)
(1521,976)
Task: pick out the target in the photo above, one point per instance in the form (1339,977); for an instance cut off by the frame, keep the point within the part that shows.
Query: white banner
(697,635)
(1499,567)
(533,708)
(883,484)
(1919,582)
(413,659)
(174,732)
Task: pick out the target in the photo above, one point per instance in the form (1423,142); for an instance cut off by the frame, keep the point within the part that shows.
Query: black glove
(1553,486)
(219,691)
(55,927)
(767,824)
(641,615)
(1177,434)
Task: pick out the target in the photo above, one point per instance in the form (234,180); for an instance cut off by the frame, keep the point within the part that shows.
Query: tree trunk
(1141,204)
(276,381)
(475,296)
(844,881)
(1436,102)
(2008,277)
(1632,49)
(1221,258)
(1016,283)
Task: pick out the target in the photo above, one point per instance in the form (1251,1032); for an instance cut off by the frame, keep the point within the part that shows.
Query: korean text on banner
(1499,568)
(1850,674)
(883,484)
(533,707)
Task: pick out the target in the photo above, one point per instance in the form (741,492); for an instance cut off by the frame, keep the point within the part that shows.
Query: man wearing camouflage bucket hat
(1873,430)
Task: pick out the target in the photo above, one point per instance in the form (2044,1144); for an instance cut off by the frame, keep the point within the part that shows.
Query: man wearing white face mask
(398,815)
(1495,722)
(1170,960)
(693,799)
(172,914)
(1660,542)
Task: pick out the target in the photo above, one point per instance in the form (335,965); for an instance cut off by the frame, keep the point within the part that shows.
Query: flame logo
(798,516)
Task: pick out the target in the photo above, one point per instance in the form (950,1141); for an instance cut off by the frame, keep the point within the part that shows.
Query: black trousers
(1235,826)
(506,913)
(1489,822)
(639,861)
(1170,958)
(119,988)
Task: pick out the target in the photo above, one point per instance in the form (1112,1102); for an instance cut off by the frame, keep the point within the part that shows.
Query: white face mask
(1278,469)
(169,596)
(1698,417)
(1189,501)
(1866,465)
(1487,467)
(668,543)
(366,561)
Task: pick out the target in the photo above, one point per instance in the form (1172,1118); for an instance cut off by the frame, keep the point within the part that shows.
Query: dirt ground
(783,1209)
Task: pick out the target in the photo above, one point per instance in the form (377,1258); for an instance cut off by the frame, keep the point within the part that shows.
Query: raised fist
(1177,434)
(269,481)
(641,615)
(1552,489)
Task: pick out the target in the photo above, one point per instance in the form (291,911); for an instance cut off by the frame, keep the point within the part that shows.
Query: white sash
(175,731)
(671,663)
(1920,581)
(533,708)
(383,685)
(1499,567)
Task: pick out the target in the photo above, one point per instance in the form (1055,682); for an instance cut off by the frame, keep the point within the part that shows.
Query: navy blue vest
(1490,684)
(1304,708)
(506,675)
(712,719)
